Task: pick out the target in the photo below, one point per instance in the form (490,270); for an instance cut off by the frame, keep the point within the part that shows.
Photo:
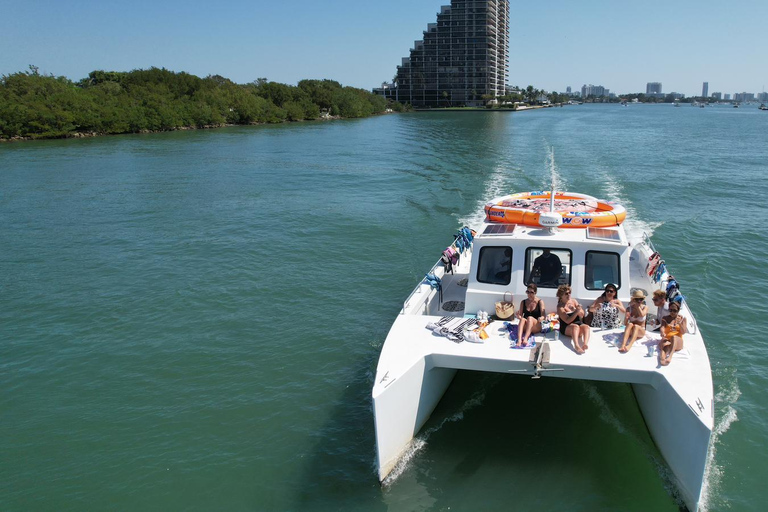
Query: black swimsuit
(564,326)
(535,313)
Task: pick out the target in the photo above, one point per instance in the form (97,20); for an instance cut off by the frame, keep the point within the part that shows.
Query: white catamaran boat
(429,340)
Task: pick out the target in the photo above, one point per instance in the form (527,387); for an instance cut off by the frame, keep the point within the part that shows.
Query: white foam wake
(420,441)
(496,185)
(605,411)
(634,225)
(713,475)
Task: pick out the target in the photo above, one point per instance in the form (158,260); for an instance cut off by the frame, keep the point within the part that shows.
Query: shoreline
(87,135)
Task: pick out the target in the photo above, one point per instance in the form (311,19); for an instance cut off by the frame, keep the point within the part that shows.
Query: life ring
(577,210)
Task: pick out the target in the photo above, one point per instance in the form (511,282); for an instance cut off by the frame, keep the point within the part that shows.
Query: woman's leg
(521,328)
(530,321)
(675,345)
(665,351)
(637,332)
(573,332)
(627,332)
(585,334)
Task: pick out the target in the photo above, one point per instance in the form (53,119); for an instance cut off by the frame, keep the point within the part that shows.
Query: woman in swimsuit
(636,313)
(571,319)
(531,314)
(673,326)
(606,309)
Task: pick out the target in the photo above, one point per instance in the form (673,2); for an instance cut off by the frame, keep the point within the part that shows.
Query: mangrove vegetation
(35,105)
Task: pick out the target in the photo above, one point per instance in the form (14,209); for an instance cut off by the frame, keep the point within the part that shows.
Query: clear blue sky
(553,44)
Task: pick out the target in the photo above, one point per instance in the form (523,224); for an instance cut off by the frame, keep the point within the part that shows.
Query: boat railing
(693,327)
(647,241)
(437,269)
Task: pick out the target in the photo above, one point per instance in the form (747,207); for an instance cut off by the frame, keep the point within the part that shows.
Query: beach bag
(505,309)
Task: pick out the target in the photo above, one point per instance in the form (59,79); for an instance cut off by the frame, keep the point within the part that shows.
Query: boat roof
(612,236)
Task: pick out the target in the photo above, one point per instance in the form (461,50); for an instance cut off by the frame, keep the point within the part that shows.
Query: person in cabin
(530,315)
(548,267)
(673,326)
(660,301)
(636,313)
(504,264)
(571,319)
(604,312)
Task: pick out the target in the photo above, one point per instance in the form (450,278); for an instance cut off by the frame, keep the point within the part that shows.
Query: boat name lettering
(494,213)
(576,220)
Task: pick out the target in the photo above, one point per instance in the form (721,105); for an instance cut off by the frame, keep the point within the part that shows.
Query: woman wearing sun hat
(636,313)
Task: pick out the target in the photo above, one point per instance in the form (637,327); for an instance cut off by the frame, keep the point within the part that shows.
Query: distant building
(727,97)
(717,96)
(568,90)
(744,96)
(677,95)
(653,88)
(705,90)
(461,58)
(593,90)
(762,96)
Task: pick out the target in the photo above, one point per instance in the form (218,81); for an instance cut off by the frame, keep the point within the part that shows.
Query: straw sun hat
(638,294)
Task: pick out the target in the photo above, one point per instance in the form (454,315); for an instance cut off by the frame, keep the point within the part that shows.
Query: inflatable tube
(577,210)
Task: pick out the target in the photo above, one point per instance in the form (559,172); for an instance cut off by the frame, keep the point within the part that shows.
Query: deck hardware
(539,358)
(701,405)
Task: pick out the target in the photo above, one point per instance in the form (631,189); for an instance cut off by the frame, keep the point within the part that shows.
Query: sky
(553,44)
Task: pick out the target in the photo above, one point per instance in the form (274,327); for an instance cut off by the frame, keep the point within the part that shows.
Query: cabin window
(601,268)
(547,267)
(495,265)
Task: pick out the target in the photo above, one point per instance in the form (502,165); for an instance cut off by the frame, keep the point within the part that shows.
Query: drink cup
(651,346)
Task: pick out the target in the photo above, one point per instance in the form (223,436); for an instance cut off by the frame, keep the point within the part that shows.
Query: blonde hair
(660,294)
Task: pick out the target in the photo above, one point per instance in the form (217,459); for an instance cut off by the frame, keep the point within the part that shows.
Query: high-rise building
(717,96)
(653,88)
(705,90)
(568,90)
(462,59)
(726,96)
(593,90)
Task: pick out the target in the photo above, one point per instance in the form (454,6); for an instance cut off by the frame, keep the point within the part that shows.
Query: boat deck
(410,340)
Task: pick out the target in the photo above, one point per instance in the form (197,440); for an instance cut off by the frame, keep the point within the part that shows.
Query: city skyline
(360,43)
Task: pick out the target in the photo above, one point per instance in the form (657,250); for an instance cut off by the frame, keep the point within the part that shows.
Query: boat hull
(680,435)
(402,406)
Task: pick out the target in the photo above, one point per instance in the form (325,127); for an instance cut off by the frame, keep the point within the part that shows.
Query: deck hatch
(607,234)
(499,229)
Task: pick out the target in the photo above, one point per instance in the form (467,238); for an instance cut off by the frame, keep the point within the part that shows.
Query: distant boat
(763,107)
(735,105)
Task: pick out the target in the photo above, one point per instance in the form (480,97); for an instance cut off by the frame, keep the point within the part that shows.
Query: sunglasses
(610,291)
(529,291)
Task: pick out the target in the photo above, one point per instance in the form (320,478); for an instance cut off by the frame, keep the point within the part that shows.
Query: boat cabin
(508,257)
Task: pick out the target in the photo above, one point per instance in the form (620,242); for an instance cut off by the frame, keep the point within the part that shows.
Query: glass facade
(461,59)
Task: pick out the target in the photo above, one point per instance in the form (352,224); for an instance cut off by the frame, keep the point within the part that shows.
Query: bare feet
(623,349)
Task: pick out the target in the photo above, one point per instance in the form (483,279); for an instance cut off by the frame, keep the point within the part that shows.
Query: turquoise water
(192,320)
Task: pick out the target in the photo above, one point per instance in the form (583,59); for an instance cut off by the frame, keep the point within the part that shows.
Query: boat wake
(634,225)
(498,184)
(419,442)
(608,416)
(725,399)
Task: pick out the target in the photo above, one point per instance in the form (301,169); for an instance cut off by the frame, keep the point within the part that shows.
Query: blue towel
(531,343)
